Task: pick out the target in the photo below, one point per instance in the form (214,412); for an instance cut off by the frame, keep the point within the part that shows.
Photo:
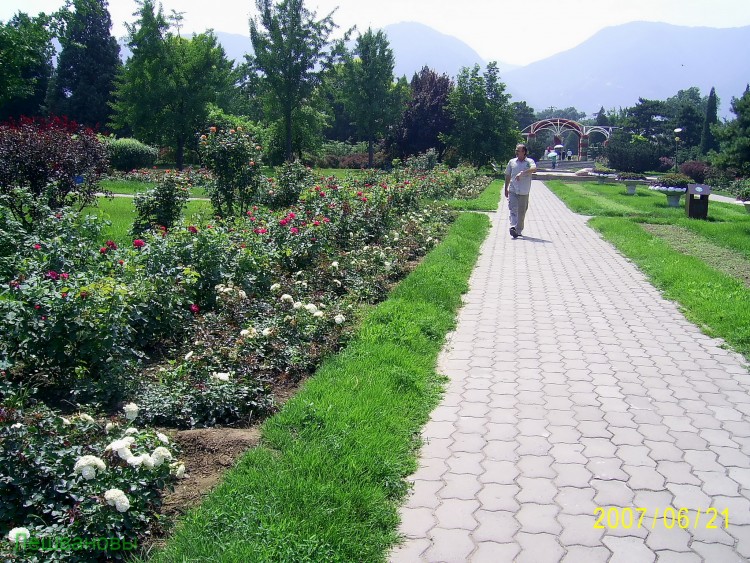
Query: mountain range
(611,69)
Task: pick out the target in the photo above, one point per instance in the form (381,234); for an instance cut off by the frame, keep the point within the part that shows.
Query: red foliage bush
(696,169)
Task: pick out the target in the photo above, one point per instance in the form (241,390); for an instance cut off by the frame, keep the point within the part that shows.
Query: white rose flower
(112,495)
(249,333)
(17,535)
(311,308)
(242,294)
(88,465)
(148,462)
(122,504)
(220,375)
(125,453)
(286,298)
(297,305)
(318,314)
(120,444)
(267,331)
(337,282)
(138,460)
(338,319)
(189,355)
(109,426)
(65,421)
(131,411)
(16,426)
(86,418)
(276,287)
(179,470)
(163,438)
(335,265)
(131,430)
(160,455)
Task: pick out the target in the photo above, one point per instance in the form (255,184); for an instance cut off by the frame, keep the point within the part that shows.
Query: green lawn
(326,482)
(702,265)
(132,187)
(120,212)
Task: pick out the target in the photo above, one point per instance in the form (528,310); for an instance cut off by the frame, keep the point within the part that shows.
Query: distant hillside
(641,59)
(416,45)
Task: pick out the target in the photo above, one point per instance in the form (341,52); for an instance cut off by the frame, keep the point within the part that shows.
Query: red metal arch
(558,126)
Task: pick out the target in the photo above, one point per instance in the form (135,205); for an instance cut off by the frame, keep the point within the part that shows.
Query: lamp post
(676,145)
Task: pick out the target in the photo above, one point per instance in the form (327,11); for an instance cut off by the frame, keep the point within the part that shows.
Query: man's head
(521,151)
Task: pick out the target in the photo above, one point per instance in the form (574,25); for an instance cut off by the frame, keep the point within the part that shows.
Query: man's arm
(507,182)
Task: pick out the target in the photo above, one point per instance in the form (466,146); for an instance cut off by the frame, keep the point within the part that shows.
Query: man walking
(517,188)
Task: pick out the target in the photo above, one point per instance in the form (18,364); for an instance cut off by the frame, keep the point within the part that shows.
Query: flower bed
(230,309)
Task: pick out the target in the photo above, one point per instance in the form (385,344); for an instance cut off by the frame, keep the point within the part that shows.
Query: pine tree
(82,85)
(708,141)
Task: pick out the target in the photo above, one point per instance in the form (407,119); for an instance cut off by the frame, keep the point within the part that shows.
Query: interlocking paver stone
(573,385)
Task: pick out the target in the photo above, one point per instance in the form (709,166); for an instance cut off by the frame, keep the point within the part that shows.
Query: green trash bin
(696,201)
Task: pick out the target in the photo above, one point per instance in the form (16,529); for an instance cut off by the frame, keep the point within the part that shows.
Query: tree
(426,115)
(734,137)
(601,118)
(290,48)
(167,85)
(25,64)
(524,114)
(646,117)
(370,96)
(484,125)
(82,85)
(708,141)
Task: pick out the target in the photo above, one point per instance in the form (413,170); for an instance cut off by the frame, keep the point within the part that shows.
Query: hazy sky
(512,32)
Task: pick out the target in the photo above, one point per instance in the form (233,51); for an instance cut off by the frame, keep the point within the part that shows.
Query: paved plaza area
(586,420)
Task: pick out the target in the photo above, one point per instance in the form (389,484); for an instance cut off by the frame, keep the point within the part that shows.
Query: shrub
(631,154)
(423,162)
(293,178)
(233,156)
(666,164)
(161,206)
(630,176)
(55,474)
(129,154)
(674,181)
(58,162)
(741,189)
(696,169)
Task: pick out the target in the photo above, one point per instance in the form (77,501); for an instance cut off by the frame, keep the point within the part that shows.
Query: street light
(676,145)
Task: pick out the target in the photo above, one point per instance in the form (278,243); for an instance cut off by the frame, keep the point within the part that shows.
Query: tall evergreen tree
(708,141)
(601,118)
(371,97)
(25,64)
(735,136)
(291,51)
(82,85)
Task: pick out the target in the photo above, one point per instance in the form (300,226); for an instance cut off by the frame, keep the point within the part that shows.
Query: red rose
(138,243)
(192,229)
(194,308)
(103,250)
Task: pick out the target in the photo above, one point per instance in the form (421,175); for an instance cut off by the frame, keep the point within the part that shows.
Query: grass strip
(326,482)
(717,302)
(488,200)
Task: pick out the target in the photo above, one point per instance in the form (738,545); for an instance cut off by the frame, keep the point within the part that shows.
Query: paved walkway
(575,385)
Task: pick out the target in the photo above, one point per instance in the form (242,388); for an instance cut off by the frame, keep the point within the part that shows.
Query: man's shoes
(513,232)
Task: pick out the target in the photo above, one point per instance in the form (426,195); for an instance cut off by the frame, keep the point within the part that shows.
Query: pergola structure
(558,126)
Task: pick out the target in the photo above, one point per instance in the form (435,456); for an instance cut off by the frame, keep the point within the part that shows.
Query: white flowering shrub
(70,478)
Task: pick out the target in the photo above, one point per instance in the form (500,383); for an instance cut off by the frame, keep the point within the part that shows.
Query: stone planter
(747,206)
(630,187)
(673,199)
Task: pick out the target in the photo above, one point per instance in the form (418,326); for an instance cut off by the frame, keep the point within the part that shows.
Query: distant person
(570,154)
(553,158)
(517,187)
